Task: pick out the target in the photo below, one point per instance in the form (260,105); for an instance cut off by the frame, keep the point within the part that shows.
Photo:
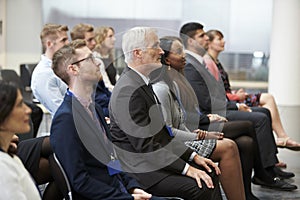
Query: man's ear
(137,53)
(48,43)
(73,69)
(190,41)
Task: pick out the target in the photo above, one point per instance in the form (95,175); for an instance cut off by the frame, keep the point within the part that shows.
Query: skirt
(202,147)
(29,151)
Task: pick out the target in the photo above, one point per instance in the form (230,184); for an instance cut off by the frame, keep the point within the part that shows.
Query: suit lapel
(88,132)
(201,68)
(139,81)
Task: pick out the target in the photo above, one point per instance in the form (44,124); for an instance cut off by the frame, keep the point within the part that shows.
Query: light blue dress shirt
(46,87)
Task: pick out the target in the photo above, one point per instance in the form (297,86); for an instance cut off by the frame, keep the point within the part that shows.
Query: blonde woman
(104,49)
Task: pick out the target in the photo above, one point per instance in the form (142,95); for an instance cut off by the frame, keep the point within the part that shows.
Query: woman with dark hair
(15,181)
(215,47)
(176,89)
(223,150)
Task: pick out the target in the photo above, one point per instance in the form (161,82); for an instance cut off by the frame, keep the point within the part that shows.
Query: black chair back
(26,72)
(11,75)
(60,177)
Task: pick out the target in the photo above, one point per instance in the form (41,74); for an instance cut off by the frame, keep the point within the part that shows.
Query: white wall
(23,22)
(246,24)
(2,36)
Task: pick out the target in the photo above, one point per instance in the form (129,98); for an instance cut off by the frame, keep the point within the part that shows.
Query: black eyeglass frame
(83,59)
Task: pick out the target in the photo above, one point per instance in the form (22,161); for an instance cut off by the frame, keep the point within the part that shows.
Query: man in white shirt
(46,87)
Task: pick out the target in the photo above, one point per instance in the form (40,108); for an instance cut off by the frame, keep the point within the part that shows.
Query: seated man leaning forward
(79,135)
(146,147)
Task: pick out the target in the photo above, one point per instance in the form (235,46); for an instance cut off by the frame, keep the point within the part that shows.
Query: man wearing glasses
(85,150)
(86,32)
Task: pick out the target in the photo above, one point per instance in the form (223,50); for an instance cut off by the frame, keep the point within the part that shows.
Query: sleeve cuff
(186,167)
(192,156)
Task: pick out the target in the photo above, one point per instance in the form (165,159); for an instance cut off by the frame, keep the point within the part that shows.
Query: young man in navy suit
(79,134)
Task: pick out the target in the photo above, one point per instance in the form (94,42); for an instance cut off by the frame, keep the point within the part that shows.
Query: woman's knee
(245,142)
(227,147)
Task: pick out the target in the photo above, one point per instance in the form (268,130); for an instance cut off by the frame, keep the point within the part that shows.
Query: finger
(208,181)
(215,166)
(205,165)
(198,180)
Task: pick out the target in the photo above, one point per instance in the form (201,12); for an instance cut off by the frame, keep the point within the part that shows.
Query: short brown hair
(64,57)
(79,30)
(50,31)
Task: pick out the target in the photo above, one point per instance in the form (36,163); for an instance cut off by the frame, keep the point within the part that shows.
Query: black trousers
(261,119)
(186,187)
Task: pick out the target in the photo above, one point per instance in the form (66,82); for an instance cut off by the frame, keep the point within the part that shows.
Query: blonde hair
(50,31)
(100,35)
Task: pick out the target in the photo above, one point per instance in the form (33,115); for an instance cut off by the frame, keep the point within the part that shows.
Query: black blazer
(84,152)
(210,93)
(145,146)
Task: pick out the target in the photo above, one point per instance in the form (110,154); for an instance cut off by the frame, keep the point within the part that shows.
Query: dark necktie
(153,93)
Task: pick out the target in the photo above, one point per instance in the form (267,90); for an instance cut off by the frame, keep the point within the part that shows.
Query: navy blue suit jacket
(80,146)
(102,97)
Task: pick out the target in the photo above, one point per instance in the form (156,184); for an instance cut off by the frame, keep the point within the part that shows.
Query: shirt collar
(197,56)
(145,79)
(84,102)
(46,60)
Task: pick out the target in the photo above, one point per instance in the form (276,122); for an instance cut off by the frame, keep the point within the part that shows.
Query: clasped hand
(216,118)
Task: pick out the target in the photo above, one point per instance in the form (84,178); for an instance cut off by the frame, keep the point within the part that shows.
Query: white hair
(135,38)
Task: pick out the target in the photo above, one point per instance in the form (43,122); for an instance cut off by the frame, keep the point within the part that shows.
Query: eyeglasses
(92,57)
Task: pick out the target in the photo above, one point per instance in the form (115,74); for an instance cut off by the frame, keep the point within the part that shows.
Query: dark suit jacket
(210,93)
(212,99)
(80,146)
(102,97)
(138,129)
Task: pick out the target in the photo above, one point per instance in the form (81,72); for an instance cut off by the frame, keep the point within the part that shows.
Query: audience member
(211,99)
(266,100)
(46,87)
(168,85)
(84,32)
(161,163)
(15,182)
(241,132)
(102,97)
(85,151)
(105,43)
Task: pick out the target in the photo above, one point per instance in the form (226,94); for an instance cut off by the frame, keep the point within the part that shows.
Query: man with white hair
(163,165)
